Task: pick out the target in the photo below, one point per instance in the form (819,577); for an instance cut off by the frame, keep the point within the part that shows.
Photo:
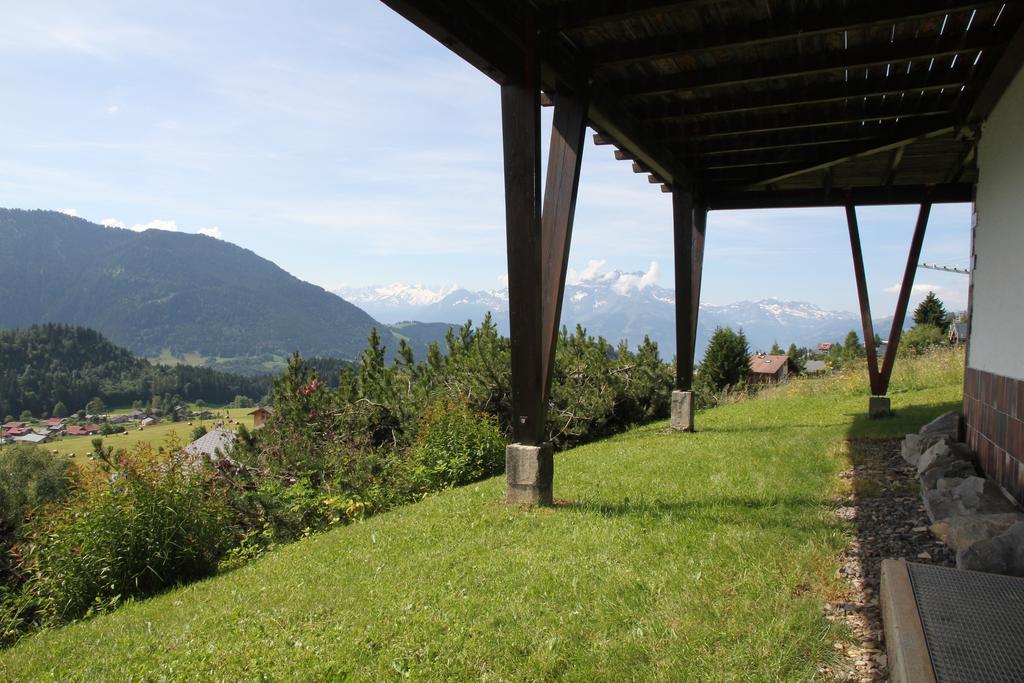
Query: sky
(350,148)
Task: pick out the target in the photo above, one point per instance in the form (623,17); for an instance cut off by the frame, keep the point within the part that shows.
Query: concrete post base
(682,411)
(530,471)
(879,406)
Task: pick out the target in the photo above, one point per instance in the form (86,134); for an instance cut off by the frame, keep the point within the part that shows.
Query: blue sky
(342,143)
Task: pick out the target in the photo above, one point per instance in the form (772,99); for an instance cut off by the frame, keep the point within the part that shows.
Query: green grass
(671,557)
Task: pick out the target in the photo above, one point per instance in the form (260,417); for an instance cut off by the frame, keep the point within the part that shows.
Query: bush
(29,477)
(148,530)
(456,446)
(922,338)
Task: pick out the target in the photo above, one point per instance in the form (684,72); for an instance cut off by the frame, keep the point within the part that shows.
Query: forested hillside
(49,364)
(160,293)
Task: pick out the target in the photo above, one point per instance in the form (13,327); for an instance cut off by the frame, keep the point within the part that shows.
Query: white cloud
(112,223)
(921,289)
(621,282)
(637,281)
(156,224)
(70,212)
(214,232)
(113,109)
(954,298)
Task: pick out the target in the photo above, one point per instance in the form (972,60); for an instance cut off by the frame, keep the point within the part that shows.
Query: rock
(1002,554)
(947,424)
(949,484)
(962,531)
(977,495)
(939,505)
(954,469)
(938,454)
(912,448)
(974,495)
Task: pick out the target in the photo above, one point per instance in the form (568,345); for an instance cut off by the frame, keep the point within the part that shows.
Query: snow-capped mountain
(618,305)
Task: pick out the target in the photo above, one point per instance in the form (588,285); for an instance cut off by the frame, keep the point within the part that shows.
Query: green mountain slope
(47,364)
(158,292)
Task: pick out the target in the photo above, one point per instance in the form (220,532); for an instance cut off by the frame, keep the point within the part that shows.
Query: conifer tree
(931,312)
(727,359)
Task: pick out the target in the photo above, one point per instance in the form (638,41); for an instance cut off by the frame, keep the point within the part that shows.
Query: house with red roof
(87,430)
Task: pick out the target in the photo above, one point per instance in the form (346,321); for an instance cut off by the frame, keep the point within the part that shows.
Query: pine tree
(792,352)
(852,347)
(60,410)
(931,312)
(727,359)
(776,350)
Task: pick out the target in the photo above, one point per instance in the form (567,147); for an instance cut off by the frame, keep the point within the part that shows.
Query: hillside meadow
(704,556)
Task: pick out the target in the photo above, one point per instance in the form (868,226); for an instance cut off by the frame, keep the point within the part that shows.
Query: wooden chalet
(737,104)
(766,368)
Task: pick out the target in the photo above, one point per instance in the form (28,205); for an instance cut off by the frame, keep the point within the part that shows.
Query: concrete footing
(530,471)
(879,406)
(682,411)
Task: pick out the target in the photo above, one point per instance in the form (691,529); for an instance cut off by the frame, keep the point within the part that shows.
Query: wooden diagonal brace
(565,157)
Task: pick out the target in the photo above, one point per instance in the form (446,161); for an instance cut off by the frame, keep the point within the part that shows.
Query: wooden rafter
(579,14)
(861,15)
(795,67)
(830,93)
(861,196)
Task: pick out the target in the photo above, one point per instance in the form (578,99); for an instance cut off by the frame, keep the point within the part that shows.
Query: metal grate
(973,623)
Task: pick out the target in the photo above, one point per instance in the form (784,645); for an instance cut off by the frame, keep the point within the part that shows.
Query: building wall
(994,381)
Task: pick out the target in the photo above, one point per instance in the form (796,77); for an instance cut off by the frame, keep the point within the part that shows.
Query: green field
(156,435)
(701,556)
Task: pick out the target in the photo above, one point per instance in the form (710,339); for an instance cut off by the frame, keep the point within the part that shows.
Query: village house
(212,445)
(825,347)
(32,437)
(79,430)
(769,369)
(958,333)
(260,416)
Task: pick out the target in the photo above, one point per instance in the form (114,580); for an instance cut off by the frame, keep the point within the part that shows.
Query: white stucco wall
(997,330)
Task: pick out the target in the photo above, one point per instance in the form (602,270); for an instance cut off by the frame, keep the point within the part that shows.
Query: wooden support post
(520,118)
(683,225)
(565,157)
(700,224)
(689,220)
(905,288)
(865,304)
(879,378)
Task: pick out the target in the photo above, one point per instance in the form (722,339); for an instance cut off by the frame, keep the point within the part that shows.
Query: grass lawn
(156,435)
(671,557)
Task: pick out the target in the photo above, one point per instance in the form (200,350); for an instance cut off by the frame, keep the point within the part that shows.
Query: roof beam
(999,80)
(794,67)
(858,16)
(861,196)
(460,28)
(898,142)
(787,98)
(784,123)
(579,14)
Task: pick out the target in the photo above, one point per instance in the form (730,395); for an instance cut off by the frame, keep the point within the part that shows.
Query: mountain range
(174,296)
(617,306)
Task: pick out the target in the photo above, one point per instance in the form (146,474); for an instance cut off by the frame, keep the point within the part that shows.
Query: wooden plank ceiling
(764,102)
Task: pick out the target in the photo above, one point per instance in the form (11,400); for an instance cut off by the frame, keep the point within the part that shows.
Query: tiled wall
(994,426)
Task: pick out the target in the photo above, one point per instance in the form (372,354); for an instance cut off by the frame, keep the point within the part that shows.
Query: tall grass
(937,367)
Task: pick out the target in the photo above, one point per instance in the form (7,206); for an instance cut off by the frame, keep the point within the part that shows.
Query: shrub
(29,477)
(922,338)
(145,531)
(457,446)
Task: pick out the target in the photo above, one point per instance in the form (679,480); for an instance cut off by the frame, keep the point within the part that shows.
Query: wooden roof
(768,102)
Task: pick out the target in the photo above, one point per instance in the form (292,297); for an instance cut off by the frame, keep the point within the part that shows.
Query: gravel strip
(890,522)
